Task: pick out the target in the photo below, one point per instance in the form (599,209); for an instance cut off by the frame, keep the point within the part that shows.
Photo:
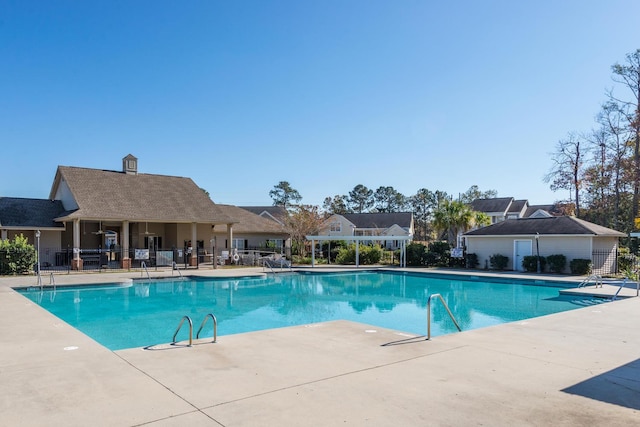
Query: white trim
(358,238)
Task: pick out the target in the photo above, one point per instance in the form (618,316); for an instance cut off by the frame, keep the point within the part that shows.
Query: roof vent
(130,165)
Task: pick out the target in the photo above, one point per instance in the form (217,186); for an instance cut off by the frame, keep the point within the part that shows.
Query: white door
(521,249)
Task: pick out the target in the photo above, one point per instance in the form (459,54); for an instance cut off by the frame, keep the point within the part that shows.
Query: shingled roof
(379,220)
(30,213)
(496,204)
(277,213)
(112,195)
(562,225)
(249,222)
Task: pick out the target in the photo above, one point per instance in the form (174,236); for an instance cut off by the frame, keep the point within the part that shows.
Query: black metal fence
(604,262)
(103,259)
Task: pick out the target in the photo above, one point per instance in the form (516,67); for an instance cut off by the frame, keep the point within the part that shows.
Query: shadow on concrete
(411,340)
(620,386)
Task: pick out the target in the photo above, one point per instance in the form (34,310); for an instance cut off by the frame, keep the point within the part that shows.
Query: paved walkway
(578,368)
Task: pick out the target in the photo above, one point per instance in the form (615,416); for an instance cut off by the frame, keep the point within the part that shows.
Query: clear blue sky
(327,94)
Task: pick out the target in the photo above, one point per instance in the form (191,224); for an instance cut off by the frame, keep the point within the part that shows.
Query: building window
(336,227)
(275,244)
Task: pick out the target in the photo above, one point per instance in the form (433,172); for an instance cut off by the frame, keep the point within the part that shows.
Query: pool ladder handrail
(431,297)
(175,267)
(143,265)
(596,278)
(622,285)
(215,326)
(269,264)
(180,326)
(52,282)
(204,321)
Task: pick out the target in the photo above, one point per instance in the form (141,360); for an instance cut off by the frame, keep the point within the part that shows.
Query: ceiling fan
(100,231)
(146,230)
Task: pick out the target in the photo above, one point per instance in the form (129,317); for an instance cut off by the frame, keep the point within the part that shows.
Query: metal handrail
(143,265)
(215,326)
(39,280)
(175,267)
(190,330)
(595,277)
(432,296)
(622,285)
(52,281)
(270,264)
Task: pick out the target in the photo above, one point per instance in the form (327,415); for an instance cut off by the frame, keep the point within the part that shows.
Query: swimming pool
(143,313)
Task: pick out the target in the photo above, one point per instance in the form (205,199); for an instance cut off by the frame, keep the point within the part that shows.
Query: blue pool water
(144,313)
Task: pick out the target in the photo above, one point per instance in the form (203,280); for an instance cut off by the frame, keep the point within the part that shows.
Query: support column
(76,262)
(230,240)
(4,235)
(193,261)
(357,253)
(313,253)
(124,244)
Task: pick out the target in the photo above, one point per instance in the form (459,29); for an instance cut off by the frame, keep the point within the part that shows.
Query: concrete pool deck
(575,368)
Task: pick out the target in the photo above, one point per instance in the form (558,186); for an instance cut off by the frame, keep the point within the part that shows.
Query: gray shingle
(30,213)
(112,195)
(562,225)
(379,220)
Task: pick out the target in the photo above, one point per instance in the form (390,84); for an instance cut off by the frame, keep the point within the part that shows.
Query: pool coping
(572,368)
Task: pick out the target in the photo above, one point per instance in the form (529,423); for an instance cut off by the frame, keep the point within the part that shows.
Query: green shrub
(331,248)
(557,263)
(368,254)
(530,263)
(415,254)
(457,262)
(498,262)
(346,255)
(471,260)
(438,254)
(17,256)
(626,262)
(580,266)
(297,259)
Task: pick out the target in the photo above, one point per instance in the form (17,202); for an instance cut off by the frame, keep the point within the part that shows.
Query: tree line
(601,167)
(436,213)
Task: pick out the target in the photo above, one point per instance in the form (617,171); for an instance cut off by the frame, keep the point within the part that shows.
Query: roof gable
(104,194)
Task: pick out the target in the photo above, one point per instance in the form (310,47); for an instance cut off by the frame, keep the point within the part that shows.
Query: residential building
(385,225)
(111,218)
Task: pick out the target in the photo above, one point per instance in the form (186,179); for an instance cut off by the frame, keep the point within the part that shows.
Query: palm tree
(455,217)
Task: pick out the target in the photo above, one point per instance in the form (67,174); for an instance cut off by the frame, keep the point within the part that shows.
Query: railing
(271,263)
(39,280)
(180,326)
(215,326)
(52,281)
(595,278)
(622,285)
(144,267)
(431,297)
(175,268)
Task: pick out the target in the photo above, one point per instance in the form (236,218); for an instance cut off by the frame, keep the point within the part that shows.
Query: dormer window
(130,165)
